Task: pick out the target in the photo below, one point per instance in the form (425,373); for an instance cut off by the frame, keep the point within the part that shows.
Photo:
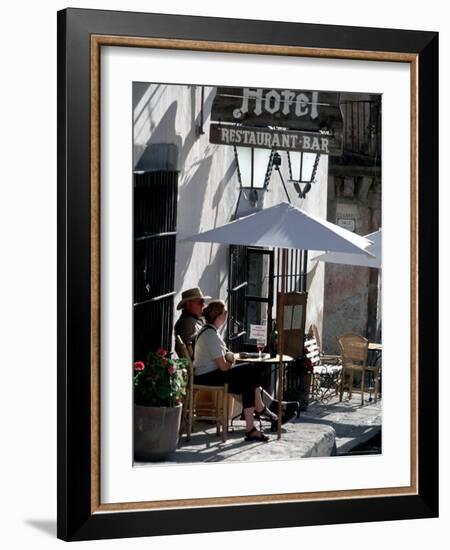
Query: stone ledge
(298,440)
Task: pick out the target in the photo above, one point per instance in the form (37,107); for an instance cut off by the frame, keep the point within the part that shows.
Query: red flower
(171,369)
(164,361)
(139,366)
(161,352)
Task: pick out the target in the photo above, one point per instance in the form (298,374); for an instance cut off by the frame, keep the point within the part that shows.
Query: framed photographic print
(247,252)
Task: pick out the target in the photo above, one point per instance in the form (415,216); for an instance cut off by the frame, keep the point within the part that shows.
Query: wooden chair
(215,409)
(354,357)
(325,376)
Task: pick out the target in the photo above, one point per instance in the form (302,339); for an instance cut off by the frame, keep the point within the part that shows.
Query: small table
(375,346)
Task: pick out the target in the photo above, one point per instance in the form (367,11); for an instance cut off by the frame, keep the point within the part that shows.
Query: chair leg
(363,377)
(350,385)
(218,408)
(225,414)
(315,387)
(191,414)
(184,420)
(222,421)
(377,378)
(189,417)
(230,408)
(183,417)
(341,384)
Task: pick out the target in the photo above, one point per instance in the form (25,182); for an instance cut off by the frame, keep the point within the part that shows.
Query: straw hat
(191,294)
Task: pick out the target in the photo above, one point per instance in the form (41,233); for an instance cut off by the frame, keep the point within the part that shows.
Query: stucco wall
(316,203)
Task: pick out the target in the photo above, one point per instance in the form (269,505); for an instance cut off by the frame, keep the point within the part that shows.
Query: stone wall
(352,294)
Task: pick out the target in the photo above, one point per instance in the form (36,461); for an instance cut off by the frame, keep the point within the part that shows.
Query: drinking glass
(260,347)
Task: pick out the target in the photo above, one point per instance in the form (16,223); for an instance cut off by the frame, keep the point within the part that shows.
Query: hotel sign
(294,109)
(296,120)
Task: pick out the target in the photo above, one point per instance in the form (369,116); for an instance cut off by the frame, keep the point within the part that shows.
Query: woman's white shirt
(208,347)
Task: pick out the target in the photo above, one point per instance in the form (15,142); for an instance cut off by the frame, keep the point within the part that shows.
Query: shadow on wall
(218,195)
(310,276)
(192,192)
(212,273)
(149,157)
(142,96)
(159,153)
(193,134)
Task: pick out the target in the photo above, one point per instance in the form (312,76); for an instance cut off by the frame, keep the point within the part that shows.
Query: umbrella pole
(281,342)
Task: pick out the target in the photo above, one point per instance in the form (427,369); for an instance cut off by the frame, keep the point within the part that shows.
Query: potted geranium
(159,388)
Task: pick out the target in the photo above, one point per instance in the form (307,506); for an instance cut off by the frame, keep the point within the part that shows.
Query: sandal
(251,436)
(290,410)
(266,414)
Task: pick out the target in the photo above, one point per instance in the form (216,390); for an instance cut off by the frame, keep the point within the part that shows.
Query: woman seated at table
(214,366)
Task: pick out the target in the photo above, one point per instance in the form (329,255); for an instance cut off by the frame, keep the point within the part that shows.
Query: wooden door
(294,322)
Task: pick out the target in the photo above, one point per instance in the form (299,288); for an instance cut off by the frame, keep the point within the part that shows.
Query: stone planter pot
(155,432)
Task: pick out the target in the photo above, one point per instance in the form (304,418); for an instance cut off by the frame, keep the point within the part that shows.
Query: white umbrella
(284,226)
(357,259)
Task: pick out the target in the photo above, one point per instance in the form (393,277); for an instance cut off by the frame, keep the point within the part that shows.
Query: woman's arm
(222,363)
(229,356)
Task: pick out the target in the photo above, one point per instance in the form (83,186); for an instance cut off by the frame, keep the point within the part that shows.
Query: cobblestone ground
(354,424)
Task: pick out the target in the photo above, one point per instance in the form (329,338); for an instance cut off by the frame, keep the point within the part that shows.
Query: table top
(264,359)
(375,347)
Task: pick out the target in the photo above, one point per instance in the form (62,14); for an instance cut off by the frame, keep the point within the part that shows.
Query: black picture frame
(79,517)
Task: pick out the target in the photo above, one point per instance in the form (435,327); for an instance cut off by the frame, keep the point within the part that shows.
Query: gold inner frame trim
(97,41)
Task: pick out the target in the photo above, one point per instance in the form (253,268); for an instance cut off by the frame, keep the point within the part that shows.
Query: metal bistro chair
(216,409)
(325,376)
(354,357)
(328,359)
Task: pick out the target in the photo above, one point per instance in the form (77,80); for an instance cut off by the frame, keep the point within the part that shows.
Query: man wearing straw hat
(190,321)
